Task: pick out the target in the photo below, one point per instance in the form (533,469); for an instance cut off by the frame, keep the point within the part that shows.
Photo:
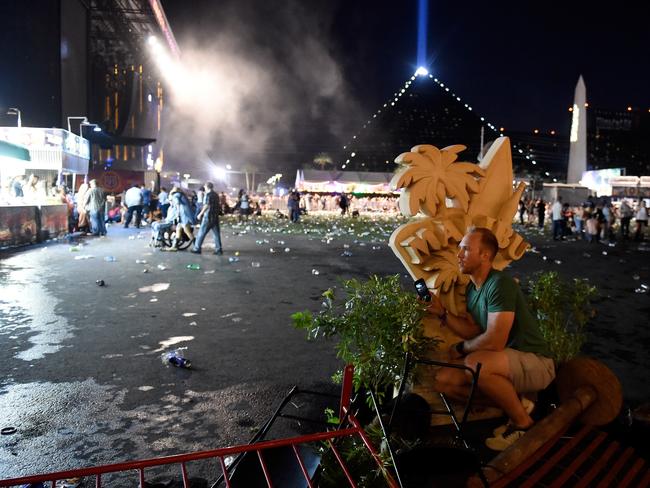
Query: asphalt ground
(83,382)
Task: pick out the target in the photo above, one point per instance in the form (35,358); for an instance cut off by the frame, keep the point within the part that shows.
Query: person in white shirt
(558,219)
(641,219)
(133,203)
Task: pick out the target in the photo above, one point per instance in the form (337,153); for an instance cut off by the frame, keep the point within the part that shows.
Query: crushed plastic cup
(161,267)
(110,259)
(271,250)
(255,264)
(140,261)
(604,253)
(346,254)
(233,259)
(315,272)
(193,266)
(286,249)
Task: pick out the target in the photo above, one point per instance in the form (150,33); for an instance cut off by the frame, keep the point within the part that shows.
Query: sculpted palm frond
(431,175)
(445,264)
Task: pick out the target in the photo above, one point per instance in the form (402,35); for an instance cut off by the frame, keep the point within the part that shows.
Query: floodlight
(421,71)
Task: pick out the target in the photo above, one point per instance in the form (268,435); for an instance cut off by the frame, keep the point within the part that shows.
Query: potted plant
(563,309)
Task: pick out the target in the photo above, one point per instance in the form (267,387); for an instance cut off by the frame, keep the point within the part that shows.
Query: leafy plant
(375,323)
(563,309)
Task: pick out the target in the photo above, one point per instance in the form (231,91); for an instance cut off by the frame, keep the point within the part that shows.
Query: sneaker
(502,442)
(219,252)
(528,405)
(195,251)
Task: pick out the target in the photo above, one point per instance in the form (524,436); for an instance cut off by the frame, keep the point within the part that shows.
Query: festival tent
(311,180)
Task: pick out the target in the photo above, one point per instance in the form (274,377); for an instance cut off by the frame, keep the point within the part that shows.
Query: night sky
(517,63)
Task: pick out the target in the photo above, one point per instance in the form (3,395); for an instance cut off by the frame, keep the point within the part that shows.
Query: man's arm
(495,336)
(464,327)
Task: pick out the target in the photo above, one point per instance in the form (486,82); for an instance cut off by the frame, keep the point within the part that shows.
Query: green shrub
(375,323)
(563,309)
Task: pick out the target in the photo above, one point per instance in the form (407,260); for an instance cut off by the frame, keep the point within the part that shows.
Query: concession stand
(52,155)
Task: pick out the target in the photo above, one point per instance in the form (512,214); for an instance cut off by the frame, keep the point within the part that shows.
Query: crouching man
(499,332)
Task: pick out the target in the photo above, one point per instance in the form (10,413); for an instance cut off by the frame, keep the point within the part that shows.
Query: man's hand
(454,354)
(434,307)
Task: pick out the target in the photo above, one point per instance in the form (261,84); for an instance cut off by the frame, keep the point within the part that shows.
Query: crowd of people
(594,220)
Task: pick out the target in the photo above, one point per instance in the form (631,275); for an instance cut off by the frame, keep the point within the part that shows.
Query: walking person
(95,201)
(163,202)
(132,201)
(541,212)
(641,219)
(209,218)
(625,213)
(558,219)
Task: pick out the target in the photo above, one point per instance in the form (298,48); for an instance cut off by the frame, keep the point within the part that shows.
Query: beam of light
(166,29)
(423,12)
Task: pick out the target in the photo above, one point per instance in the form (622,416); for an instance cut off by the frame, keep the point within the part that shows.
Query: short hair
(209,185)
(488,240)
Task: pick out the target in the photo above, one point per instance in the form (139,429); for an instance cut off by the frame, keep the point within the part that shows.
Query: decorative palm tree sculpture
(444,198)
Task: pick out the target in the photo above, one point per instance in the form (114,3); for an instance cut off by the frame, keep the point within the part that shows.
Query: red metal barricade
(353,428)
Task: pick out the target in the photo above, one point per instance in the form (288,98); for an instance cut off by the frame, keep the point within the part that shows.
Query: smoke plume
(260,87)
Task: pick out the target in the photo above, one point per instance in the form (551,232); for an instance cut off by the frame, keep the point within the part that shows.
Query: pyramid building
(422,111)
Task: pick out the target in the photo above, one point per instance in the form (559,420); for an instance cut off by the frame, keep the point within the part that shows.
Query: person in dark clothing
(209,218)
(541,212)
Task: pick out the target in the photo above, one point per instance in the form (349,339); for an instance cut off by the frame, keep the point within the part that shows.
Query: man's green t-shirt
(500,293)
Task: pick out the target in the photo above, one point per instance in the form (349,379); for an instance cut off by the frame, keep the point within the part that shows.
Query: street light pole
(15,111)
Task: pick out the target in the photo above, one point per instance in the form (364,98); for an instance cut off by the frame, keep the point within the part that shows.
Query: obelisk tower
(578,138)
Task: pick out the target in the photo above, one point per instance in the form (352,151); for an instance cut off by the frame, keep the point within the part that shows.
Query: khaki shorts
(529,372)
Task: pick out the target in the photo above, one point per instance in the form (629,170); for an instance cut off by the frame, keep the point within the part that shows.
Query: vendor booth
(29,212)
(357,182)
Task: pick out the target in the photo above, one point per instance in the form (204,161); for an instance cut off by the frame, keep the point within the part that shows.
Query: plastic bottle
(194,267)
(175,358)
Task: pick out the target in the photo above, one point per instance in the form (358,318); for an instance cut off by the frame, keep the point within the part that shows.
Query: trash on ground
(346,254)
(193,266)
(176,358)
(315,272)
(287,249)
(255,264)
(110,259)
(84,257)
(100,283)
(161,267)
(8,430)
(140,261)
(232,259)
(155,288)
(636,277)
